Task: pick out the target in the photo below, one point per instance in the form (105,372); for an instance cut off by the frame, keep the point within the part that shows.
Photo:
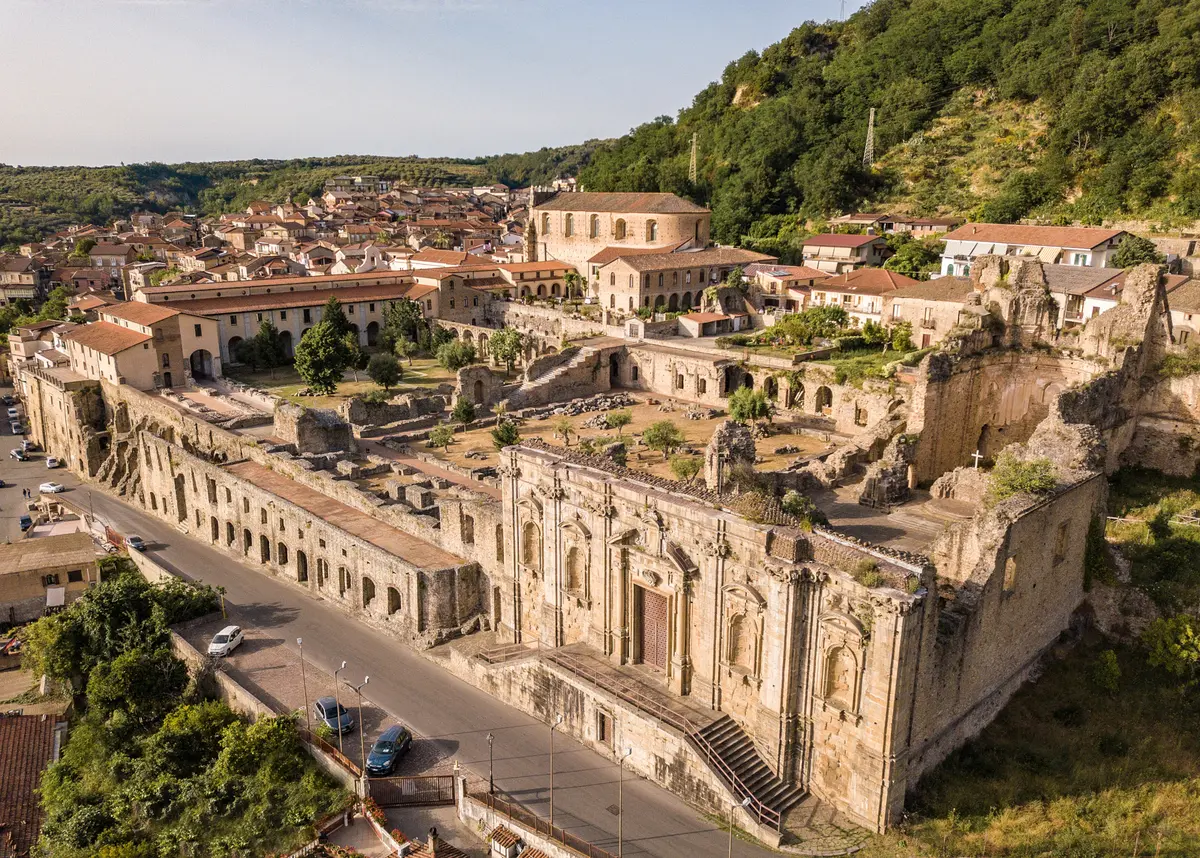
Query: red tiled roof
(610,254)
(548,265)
(106,338)
(866,281)
(702,318)
(1038,236)
(26,749)
(139,312)
(629,203)
(308,283)
(289,300)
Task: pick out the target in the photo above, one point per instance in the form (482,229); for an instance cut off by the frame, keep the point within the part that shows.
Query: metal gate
(654,628)
(410,791)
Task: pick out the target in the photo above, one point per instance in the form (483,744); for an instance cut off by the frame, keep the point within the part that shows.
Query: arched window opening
(368,591)
(301,566)
(281,554)
(594,227)
(619,229)
(569,227)
(531,546)
(394,603)
(575,569)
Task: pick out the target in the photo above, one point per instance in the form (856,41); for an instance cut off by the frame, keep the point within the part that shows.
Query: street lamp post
(557,721)
(621,802)
(732,808)
(491,770)
(304,685)
(362,737)
(337,697)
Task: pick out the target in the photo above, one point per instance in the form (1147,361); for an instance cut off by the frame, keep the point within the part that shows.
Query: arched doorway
(394,602)
(368,591)
(824,400)
(232,345)
(614,370)
(771,388)
(686,302)
(673,303)
(201,361)
(372,333)
(477,391)
(301,566)
(285,340)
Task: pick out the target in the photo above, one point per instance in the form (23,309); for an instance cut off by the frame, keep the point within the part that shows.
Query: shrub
(1174,645)
(746,404)
(455,354)
(664,437)
(441,436)
(685,468)
(505,434)
(1105,673)
(850,343)
(618,419)
(802,507)
(464,411)
(384,369)
(866,572)
(1012,476)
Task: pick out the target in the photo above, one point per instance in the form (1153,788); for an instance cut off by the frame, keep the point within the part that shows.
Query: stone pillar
(680,679)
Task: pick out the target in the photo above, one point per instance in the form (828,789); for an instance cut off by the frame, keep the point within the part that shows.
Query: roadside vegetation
(152,767)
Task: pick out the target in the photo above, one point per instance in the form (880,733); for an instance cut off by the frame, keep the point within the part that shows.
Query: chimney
(433,842)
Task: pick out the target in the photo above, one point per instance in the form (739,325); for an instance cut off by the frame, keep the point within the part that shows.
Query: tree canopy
(321,358)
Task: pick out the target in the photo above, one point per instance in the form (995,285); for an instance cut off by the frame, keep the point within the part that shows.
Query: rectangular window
(233,320)
(895,311)
(283,315)
(308,315)
(371,308)
(74,576)
(1061,541)
(198,330)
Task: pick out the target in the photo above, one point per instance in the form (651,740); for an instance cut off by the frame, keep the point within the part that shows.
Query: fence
(340,758)
(412,791)
(518,814)
(324,827)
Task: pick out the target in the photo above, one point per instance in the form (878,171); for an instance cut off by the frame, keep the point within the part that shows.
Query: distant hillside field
(35,201)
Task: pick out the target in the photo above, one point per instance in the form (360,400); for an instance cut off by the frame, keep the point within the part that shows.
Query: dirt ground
(696,432)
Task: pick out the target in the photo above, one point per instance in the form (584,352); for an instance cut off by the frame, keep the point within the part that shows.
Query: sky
(93,82)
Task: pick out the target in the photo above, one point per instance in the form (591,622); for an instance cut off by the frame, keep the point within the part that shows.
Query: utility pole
(692,165)
(869,152)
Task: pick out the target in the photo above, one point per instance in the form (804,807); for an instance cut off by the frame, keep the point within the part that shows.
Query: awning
(1049,255)
(56,597)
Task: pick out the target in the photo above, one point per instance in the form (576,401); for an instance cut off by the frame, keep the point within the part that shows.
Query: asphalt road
(417,691)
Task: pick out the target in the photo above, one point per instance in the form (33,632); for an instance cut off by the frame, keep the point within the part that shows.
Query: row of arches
(201,361)
(280,555)
(620,230)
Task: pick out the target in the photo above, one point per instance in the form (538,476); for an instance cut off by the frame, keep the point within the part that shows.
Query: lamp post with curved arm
(304,685)
(553,726)
(362,737)
(621,802)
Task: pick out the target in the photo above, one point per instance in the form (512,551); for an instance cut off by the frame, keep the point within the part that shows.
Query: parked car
(51,488)
(17,428)
(387,750)
(333,715)
(7,399)
(13,414)
(30,446)
(52,462)
(137,544)
(225,641)
(19,454)
(26,523)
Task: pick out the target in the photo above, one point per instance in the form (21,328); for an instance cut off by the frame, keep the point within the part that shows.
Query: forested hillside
(35,201)
(991,109)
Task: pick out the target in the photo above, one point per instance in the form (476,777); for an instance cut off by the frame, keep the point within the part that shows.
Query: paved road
(439,706)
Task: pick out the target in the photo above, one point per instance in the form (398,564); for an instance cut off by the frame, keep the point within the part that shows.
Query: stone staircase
(578,373)
(730,752)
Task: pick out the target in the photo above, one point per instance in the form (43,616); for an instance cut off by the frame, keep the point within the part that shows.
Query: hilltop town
(790,533)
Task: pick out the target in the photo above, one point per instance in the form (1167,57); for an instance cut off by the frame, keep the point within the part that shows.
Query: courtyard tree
(564,429)
(335,316)
(746,405)
(403,319)
(356,358)
(384,370)
(464,411)
(404,348)
(321,358)
(505,346)
(455,354)
(664,437)
(505,434)
(441,436)
(618,419)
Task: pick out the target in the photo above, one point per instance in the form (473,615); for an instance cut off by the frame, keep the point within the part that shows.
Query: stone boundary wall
(660,753)
(229,690)
(229,387)
(483,820)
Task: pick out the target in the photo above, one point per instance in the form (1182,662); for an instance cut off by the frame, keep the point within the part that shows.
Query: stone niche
(313,430)
(480,385)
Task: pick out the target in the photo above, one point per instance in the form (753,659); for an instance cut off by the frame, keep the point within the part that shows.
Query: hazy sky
(110,81)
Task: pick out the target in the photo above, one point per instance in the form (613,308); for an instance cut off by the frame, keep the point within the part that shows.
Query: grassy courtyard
(285,382)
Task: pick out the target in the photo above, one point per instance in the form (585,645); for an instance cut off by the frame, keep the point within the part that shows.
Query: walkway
(375,448)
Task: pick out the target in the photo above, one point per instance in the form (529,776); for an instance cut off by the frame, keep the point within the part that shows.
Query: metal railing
(340,758)
(766,815)
(518,814)
(627,690)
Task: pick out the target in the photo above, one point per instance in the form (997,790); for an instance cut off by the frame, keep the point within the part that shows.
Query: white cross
(977,456)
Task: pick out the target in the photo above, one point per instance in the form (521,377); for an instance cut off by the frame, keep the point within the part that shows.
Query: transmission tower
(692,165)
(869,152)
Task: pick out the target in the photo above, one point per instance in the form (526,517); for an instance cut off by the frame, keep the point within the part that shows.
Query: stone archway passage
(372,333)
(201,363)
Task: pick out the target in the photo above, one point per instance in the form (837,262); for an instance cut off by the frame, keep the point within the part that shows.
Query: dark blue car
(387,750)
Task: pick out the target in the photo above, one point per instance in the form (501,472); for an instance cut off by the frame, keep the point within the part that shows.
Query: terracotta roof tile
(106,338)
(26,749)
(840,240)
(620,202)
(139,312)
(1037,236)
(867,281)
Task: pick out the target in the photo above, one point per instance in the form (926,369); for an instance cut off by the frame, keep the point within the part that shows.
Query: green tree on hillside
(1135,250)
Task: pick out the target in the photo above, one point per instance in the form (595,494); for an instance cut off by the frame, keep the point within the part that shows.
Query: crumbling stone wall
(312,430)
(480,385)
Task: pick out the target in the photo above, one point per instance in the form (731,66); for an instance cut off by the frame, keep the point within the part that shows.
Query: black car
(7,399)
(387,750)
